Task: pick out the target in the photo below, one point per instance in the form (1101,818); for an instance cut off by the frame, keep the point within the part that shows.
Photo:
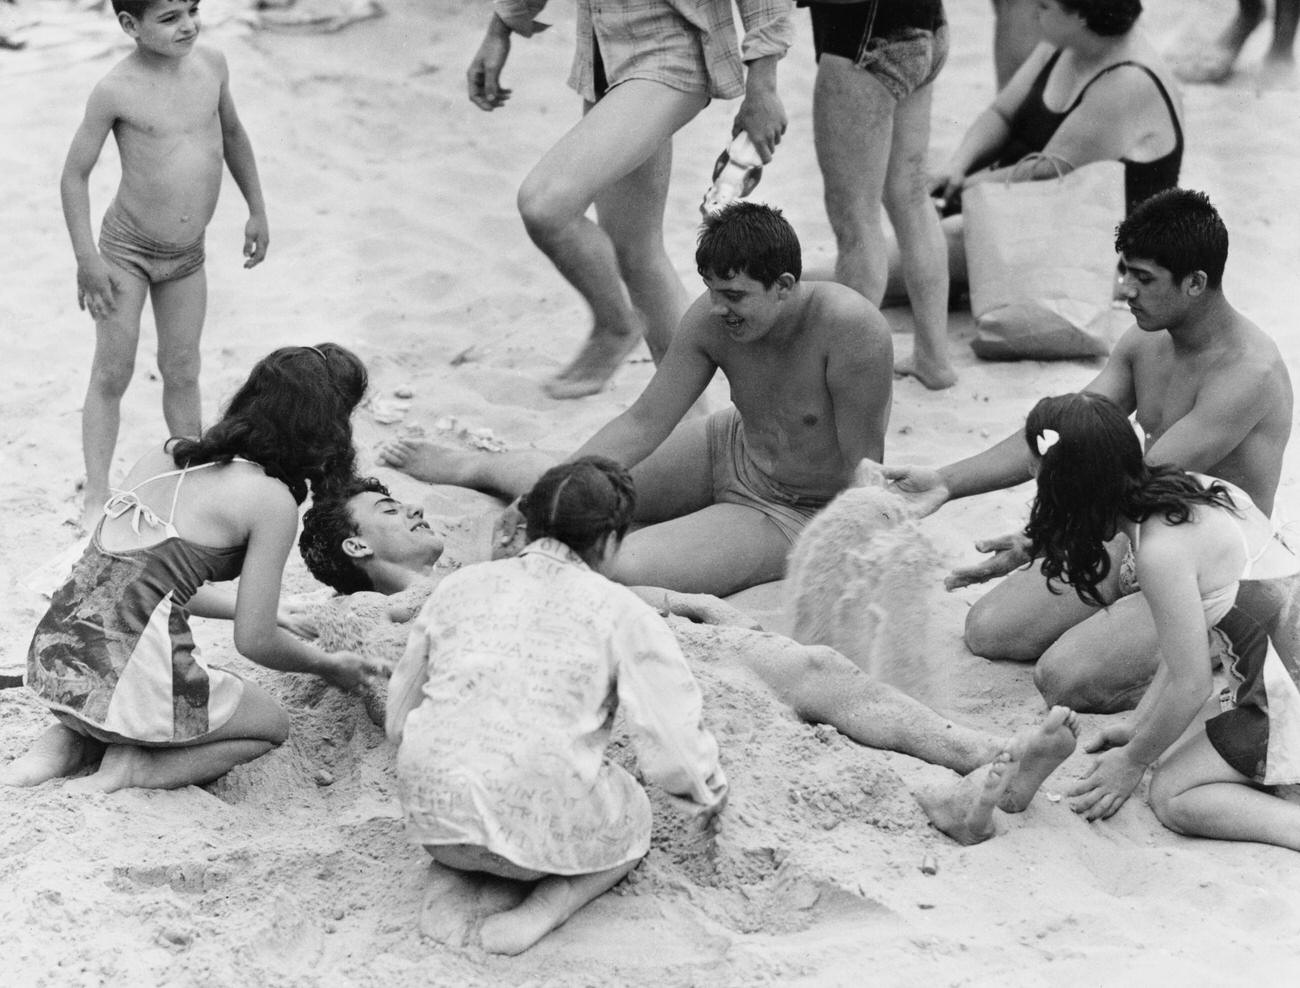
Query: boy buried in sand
(379,553)
(169,106)
(503,705)
(723,498)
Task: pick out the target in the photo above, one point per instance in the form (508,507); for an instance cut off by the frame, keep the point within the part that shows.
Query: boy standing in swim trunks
(722,499)
(876,62)
(168,104)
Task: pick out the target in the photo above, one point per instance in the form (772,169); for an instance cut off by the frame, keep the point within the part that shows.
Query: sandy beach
(394,232)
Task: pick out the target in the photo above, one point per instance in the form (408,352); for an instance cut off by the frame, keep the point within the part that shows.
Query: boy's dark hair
(580,503)
(1106,17)
(327,524)
(748,238)
(292,417)
(1180,230)
(136,8)
(1089,477)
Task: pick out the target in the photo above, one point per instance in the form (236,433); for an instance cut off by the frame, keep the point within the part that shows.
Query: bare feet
(457,902)
(935,375)
(1277,72)
(117,770)
(552,901)
(594,365)
(1045,747)
(92,509)
(965,811)
(56,753)
(1213,62)
(426,460)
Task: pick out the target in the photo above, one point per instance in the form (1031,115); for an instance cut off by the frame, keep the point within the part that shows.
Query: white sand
(393,230)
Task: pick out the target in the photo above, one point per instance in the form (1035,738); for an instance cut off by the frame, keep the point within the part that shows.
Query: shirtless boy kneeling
(722,499)
(168,104)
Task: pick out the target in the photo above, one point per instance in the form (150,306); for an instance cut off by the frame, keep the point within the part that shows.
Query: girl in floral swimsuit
(1215,572)
(113,657)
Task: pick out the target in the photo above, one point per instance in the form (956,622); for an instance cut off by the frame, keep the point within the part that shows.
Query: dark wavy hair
(748,238)
(580,503)
(292,417)
(1089,478)
(328,523)
(1108,18)
(1181,231)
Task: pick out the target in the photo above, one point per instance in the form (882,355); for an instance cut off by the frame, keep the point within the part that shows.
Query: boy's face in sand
(168,27)
(746,309)
(391,532)
(1156,300)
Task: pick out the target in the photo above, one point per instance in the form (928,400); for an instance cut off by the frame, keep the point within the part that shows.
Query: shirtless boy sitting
(168,104)
(722,499)
(364,543)
(1212,395)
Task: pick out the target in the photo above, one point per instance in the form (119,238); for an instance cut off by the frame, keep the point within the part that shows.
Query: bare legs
(687,543)
(1094,660)
(178,308)
(117,335)
(257,726)
(1195,792)
(1214,62)
(964,810)
(618,157)
(472,891)
(872,150)
(504,475)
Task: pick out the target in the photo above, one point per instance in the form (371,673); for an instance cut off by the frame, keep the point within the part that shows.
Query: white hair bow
(1046,440)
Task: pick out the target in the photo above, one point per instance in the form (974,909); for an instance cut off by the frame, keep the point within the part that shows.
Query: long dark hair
(1090,474)
(580,503)
(292,417)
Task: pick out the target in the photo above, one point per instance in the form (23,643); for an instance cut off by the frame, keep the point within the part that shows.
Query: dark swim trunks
(904,45)
(152,261)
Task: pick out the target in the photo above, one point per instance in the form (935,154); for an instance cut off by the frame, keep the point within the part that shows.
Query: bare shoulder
(838,307)
(850,326)
(211,60)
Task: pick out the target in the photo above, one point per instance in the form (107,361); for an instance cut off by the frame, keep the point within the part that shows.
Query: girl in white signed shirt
(503,704)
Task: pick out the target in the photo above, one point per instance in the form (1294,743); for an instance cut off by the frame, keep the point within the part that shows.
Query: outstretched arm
(257,635)
(662,706)
(681,378)
(238,150)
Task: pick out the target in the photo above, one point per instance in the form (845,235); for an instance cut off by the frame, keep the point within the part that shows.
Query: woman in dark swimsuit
(1094,90)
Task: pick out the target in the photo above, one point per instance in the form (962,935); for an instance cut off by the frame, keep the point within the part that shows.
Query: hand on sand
(298,618)
(1010,552)
(484,74)
(257,238)
(703,608)
(509,532)
(1107,785)
(1111,736)
(349,671)
(923,489)
(97,288)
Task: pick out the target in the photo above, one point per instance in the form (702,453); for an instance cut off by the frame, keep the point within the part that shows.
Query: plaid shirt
(769,30)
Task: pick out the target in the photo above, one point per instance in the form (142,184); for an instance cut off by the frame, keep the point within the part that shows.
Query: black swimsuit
(1033,125)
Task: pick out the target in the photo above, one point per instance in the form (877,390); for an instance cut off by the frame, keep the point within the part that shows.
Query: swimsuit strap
(122,501)
(1164,94)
